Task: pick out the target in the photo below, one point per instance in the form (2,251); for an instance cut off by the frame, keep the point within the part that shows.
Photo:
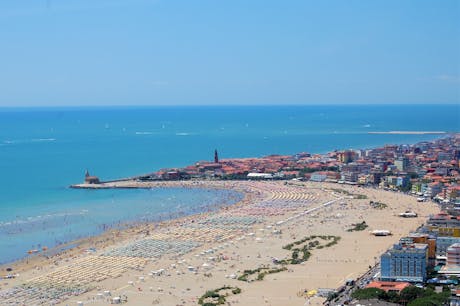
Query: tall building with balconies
(452,266)
(443,243)
(405,263)
(453,255)
(402,163)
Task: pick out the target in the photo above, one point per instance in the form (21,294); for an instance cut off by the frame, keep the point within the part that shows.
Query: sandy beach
(176,262)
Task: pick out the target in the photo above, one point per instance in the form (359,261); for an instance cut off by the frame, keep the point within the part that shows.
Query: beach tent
(116,300)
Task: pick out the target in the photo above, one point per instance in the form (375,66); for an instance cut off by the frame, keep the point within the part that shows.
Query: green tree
(369,293)
(411,293)
(431,299)
(392,297)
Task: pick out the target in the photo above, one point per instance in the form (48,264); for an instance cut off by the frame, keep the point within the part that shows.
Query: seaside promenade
(176,262)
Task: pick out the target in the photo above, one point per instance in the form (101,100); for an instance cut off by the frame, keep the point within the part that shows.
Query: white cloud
(448,78)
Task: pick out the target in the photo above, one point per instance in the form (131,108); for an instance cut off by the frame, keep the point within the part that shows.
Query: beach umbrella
(9,269)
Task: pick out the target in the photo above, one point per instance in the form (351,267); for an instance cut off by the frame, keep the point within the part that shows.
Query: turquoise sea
(44,150)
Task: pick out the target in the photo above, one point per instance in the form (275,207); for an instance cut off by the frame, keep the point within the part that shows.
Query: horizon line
(216,105)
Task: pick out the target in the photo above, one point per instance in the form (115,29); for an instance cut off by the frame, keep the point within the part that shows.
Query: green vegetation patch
(378,205)
(301,254)
(354,195)
(369,293)
(259,273)
(411,296)
(218,296)
(358,227)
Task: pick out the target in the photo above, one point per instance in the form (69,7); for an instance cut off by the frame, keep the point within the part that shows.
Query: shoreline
(298,221)
(85,242)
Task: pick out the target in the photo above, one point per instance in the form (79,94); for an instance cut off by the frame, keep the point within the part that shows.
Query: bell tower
(216,157)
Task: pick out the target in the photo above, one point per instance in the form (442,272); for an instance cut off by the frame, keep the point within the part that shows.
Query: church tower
(216,157)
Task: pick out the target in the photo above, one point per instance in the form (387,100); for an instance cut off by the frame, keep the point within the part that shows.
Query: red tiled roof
(388,286)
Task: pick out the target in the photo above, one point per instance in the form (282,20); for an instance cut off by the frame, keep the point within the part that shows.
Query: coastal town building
(402,163)
(444,224)
(346,156)
(260,176)
(405,263)
(318,177)
(430,170)
(395,287)
(452,266)
(453,255)
(442,243)
(89,179)
(429,240)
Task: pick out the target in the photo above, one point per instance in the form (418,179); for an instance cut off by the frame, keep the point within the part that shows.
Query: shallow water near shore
(57,223)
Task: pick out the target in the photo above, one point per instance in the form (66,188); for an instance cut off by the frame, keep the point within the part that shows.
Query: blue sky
(168,52)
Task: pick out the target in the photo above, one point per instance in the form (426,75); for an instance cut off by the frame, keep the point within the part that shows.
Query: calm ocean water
(43,151)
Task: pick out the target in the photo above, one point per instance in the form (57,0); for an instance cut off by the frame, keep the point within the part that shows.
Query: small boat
(32,251)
